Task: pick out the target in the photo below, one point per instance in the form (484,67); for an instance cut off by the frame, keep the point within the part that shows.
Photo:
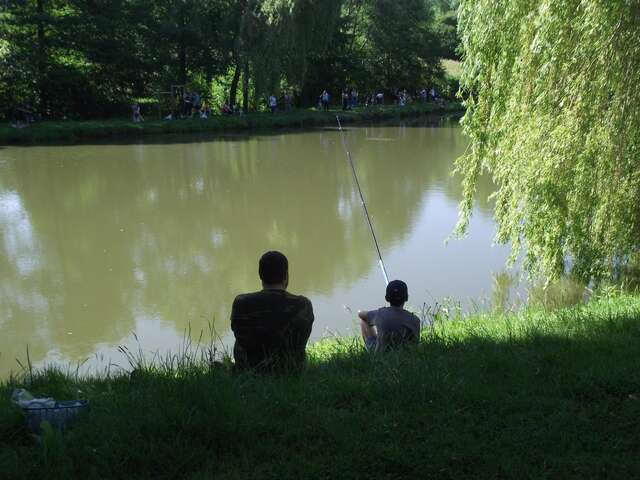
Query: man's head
(397,293)
(274,270)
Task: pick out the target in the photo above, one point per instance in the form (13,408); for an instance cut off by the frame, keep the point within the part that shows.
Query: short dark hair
(273,267)
(397,293)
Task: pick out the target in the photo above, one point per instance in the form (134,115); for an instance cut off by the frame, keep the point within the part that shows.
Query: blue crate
(59,417)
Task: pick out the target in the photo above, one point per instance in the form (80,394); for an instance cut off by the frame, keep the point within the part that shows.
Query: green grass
(529,395)
(77,131)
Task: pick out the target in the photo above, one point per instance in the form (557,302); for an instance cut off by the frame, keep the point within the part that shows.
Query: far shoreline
(75,131)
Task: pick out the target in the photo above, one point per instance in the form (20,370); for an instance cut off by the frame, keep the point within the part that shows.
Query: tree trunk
(182,54)
(233,88)
(245,88)
(41,60)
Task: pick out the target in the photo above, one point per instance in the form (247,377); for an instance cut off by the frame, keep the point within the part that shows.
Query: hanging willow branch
(551,90)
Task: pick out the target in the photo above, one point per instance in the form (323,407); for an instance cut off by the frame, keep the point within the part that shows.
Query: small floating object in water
(376,139)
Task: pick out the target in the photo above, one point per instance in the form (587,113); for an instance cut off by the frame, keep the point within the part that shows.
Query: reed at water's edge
(79,131)
(534,394)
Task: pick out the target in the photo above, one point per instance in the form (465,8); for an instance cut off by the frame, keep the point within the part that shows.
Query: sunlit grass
(533,394)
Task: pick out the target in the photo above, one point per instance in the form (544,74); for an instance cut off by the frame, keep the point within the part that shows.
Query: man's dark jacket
(271,329)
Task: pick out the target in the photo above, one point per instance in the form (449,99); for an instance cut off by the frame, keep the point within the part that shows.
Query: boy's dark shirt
(271,329)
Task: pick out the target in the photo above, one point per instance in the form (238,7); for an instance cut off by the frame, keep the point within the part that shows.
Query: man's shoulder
(301,299)
(247,298)
(411,316)
(395,312)
(385,311)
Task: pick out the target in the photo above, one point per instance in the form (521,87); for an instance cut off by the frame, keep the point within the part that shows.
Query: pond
(135,243)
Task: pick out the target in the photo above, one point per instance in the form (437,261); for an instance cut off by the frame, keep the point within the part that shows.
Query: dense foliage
(92,58)
(551,89)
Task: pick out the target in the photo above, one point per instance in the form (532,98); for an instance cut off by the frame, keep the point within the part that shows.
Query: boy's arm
(367,316)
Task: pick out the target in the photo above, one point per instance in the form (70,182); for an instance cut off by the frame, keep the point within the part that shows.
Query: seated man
(271,326)
(391,326)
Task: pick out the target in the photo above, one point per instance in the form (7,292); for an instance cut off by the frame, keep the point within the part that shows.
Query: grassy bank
(530,395)
(76,131)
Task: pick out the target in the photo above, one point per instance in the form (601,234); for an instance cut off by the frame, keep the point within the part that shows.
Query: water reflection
(503,283)
(99,241)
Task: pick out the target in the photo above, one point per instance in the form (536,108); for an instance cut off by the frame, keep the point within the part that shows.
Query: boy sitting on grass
(392,326)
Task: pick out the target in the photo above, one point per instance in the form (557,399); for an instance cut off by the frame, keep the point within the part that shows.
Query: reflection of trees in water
(428,153)
(563,292)
(559,293)
(503,283)
(173,232)
(75,290)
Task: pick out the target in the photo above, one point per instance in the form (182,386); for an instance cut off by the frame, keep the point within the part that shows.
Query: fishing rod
(363,203)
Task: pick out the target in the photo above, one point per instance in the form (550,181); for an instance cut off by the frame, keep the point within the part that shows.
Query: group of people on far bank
(188,105)
(287,102)
(350,98)
(272,326)
(194,105)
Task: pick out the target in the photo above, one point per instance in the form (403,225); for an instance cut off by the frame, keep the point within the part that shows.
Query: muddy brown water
(101,242)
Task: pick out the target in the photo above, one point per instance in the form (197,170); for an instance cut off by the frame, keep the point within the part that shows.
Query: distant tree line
(90,58)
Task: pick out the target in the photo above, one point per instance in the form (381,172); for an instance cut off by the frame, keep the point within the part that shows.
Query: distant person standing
(187,104)
(271,326)
(137,116)
(369,99)
(174,106)
(226,109)
(196,104)
(392,326)
(324,99)
(273,103)
(402,99)
(288,101)
(205,111)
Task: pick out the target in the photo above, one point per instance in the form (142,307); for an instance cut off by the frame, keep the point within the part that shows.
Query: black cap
(397,292)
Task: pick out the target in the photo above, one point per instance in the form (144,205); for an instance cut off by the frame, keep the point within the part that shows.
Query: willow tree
(403,45)
(283,35)
(552,97)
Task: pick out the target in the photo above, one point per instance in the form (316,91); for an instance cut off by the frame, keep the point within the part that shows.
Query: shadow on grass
(536,395)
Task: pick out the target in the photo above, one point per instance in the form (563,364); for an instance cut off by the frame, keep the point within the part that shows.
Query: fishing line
(363,203)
